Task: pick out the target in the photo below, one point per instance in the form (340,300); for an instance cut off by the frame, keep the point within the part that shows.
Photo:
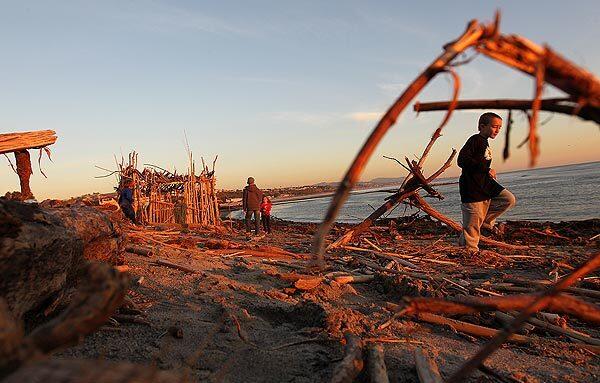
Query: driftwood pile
(433,285)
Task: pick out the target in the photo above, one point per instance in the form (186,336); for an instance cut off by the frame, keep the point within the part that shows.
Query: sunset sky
(285,91)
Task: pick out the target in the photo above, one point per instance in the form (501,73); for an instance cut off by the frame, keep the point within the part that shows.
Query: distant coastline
(327,189)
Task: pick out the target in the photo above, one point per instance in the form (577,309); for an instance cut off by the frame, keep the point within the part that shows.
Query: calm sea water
(562,193)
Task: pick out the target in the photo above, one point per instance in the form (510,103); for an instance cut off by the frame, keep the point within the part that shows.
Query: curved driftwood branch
(514,51)
(473,35)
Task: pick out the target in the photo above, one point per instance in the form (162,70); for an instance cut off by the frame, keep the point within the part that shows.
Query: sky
(284,91)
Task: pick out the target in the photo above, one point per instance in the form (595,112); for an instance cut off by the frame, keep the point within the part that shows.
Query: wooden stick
(560,331)
(557,105)
(352,364)
(559,303)
(469,328)
(376,364)
(427,369)
(537,305)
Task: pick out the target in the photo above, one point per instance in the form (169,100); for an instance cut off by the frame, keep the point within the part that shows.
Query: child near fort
(265,214)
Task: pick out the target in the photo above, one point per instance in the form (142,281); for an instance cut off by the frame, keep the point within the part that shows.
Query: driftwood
(376,364)
(540,62)
(557,329)
(408,191)
(469,328)
(12,142)
(348,369)
(42,251)
(557,105)
(538,304)
(427,369)
(560,303)
(102,292)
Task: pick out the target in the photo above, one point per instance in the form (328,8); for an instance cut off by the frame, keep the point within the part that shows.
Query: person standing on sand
(126,201)
(251,205)
(482,198)
(265,214)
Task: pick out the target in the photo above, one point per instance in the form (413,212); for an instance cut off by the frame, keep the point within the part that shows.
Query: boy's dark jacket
(252,198)
(475,183)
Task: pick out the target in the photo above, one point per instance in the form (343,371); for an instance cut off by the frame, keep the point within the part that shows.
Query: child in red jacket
(265,214)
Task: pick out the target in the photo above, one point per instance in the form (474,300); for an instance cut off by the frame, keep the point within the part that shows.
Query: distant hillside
(386,181)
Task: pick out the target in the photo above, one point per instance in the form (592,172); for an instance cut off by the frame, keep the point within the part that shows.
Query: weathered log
(42,251)
(376,364)
(549,105)
(102,240)
(427,369)
(348,369)
(101,292)
(12,142)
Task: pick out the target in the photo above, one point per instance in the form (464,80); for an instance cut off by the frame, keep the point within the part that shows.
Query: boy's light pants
(482,214)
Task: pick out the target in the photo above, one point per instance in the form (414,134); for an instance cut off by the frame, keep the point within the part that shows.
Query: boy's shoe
(497,230)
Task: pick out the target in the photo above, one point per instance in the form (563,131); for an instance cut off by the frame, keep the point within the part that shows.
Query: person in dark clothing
(265,214)
(251,201)
(126,201)
(482,198)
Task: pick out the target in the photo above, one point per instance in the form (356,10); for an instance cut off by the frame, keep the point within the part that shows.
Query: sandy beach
(251,309)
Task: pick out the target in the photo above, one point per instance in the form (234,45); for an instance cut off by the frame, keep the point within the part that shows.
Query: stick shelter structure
(164,197)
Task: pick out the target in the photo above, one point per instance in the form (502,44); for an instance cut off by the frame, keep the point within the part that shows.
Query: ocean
(561,193)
